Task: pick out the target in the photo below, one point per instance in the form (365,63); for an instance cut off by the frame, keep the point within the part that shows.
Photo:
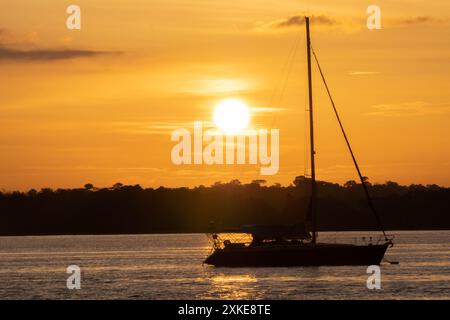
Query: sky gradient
(98,104)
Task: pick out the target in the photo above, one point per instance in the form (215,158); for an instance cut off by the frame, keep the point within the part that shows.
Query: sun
(231,116)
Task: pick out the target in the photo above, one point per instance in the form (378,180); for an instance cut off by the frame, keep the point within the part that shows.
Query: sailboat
(285,246)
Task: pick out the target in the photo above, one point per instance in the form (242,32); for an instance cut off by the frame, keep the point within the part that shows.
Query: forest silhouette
(126,209)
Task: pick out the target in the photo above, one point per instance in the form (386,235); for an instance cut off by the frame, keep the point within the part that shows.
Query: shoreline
(195,232)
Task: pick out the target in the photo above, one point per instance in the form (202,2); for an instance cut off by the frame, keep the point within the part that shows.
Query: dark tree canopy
(133,209)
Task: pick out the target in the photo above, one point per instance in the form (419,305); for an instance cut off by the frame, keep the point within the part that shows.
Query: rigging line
(366,191)
(287,68)
(280,76)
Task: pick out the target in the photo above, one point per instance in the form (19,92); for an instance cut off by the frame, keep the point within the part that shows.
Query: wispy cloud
(418,20)
(213,84)
(346,24)
(78,169)
(8,38)
(166,127)
(363,73)
(157,127)
(267,109)
(23,47)
(48,54)
(409,109)
(299,20)
(294,21)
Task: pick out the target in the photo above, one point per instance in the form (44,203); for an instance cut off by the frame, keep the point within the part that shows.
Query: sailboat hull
(298,255)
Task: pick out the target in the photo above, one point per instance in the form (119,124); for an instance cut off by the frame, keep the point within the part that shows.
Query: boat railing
(362,240)
(373,240)
(220,240)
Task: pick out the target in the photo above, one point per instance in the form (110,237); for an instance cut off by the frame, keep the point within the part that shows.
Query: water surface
(170,267)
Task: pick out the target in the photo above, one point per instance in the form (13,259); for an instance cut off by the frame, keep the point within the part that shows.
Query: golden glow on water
(233,278)
(170,267)
(234,286)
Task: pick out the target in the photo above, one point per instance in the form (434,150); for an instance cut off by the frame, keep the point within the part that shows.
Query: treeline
(132,209)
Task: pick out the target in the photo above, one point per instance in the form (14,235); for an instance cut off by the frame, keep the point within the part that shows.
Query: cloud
(80,169)
(9,38)
(157,127)
(267,109)
(4,36)
(318,21)
(48,54)
(409,109)
(418,20)
(299,20)
(214,85)
(22,47)
(346,24)
(363,73)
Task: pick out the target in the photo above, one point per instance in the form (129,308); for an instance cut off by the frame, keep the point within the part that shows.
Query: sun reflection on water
(232,285)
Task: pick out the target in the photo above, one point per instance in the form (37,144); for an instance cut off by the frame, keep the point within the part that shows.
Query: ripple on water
(170,267)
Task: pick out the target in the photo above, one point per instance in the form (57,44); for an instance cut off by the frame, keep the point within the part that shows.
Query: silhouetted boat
(284,246)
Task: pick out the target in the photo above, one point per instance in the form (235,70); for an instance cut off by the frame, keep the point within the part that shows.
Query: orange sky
(105,114)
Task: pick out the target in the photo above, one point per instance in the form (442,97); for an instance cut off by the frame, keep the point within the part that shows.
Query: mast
(313,200)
